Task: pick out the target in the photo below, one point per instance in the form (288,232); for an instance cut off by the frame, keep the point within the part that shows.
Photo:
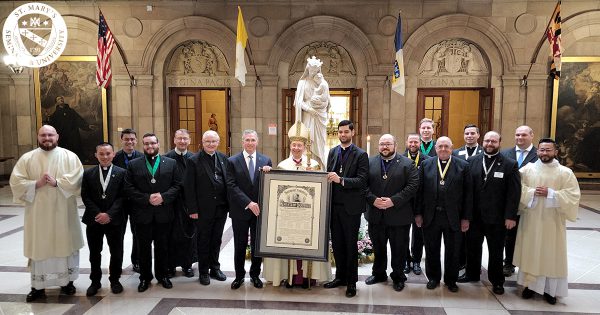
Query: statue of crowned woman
(312,105)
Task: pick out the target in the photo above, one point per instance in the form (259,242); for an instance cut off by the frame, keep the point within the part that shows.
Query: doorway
(199,110)
(452,109)
(344,104)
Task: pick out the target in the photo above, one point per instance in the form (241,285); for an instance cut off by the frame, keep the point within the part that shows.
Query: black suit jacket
(91,194)
(119,159)
(497,198)
(462,152)
(355,174)
(459,193)
(512,154)
(240,189)
(199,185)
(182,165)
(401,186)
(139,188)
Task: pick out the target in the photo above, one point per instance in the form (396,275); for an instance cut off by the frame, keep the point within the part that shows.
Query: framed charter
(295,214)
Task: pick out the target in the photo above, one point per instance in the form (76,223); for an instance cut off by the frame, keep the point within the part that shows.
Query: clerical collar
(105,168)
(413,154)
(444,161)
(489,156)
(472,147)
(389,158)
(346,147)
(426,142)
(130,153)
(179,152)
(151,157)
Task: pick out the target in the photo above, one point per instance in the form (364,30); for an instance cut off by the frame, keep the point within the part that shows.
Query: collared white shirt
(179,152)
(525,152)
(246,155)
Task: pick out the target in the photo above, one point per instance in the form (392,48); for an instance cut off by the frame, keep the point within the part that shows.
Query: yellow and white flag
(240,47)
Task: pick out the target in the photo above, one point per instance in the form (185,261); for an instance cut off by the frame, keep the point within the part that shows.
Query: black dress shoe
(136,268)
(204,279)
(464,279)
(373,279)
(256,282)
(508,270)
(69,289)
(188,272)
(116,287)
(432,284)
(399,286)
(452,287)
(417,269)
(171,273)
(237,282)
(144,284)
(527,294)
(351,290)
(550,299)
(35,294)
(498,289)
(334,284)
(218,275)
(407,268)
(166,283)
(93,289)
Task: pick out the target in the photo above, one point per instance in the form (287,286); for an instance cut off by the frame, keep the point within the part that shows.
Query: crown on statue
(298,132)
(314,62)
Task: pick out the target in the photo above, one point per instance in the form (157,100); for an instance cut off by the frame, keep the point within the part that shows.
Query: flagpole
(539,45)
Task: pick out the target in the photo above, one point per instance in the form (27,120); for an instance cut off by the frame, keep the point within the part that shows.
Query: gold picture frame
(575,120)
(82,121)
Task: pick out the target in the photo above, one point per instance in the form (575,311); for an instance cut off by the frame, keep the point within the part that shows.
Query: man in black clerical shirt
(102,195)
(444,207)
(471,147)
(413,261)
(181,249)
(122,159)
(348,170)
(426,132)
(206,197)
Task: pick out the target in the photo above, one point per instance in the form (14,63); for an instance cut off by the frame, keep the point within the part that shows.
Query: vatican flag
(398,84)
(240,47)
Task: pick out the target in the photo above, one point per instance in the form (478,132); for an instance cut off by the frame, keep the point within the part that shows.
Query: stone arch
(577,28)
(325,28)
(473,29)
(83,39)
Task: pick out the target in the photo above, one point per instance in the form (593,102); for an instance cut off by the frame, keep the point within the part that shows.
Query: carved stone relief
(338,67)
(198,58)
(453,63)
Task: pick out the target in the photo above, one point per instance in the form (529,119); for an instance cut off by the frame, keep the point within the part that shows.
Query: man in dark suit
(471,147)
(206,198)
(426,132)
(467,151)
(102,195)
(523,152)
(181,250)
(122,158)
(413,152)
(444,207)
(348,168)
(242,191)
(496,195)
(393,182)
(152,184)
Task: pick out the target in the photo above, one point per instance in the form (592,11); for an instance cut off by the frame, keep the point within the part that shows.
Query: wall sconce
(13,63)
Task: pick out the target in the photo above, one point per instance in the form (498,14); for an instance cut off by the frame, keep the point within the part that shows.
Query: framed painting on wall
(67,97)
(575,122)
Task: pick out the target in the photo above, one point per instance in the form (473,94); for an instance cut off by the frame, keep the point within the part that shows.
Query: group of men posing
(463,195)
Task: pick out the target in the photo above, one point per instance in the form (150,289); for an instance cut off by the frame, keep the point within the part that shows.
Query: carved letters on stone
(198,58)
(453,57)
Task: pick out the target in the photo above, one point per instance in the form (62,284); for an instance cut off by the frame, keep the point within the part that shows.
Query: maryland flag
(553,35)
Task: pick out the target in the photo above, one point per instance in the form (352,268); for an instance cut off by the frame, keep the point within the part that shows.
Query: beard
(386,154)
(547,159)
(491,151)
(151,152)
(47,146)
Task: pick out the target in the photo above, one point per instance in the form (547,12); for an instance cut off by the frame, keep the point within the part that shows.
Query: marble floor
(189,297)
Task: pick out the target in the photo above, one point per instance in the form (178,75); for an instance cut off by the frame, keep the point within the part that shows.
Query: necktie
(251,168)
(521,156)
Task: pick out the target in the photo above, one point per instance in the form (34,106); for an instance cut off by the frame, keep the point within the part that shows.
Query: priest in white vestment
(550,196)
(297,272)
(47,182)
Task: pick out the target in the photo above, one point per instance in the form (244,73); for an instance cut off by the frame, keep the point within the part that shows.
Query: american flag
(105,46)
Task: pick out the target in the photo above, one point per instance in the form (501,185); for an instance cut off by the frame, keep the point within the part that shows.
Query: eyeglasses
(386,144)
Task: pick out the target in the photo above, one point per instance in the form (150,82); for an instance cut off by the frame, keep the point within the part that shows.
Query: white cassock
(52,230)
(276,270)
(541,245)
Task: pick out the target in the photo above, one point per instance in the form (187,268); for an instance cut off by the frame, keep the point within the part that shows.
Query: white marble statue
(312,106)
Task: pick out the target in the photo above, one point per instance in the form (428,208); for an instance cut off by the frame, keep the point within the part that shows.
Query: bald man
(444,207)
(47,181)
